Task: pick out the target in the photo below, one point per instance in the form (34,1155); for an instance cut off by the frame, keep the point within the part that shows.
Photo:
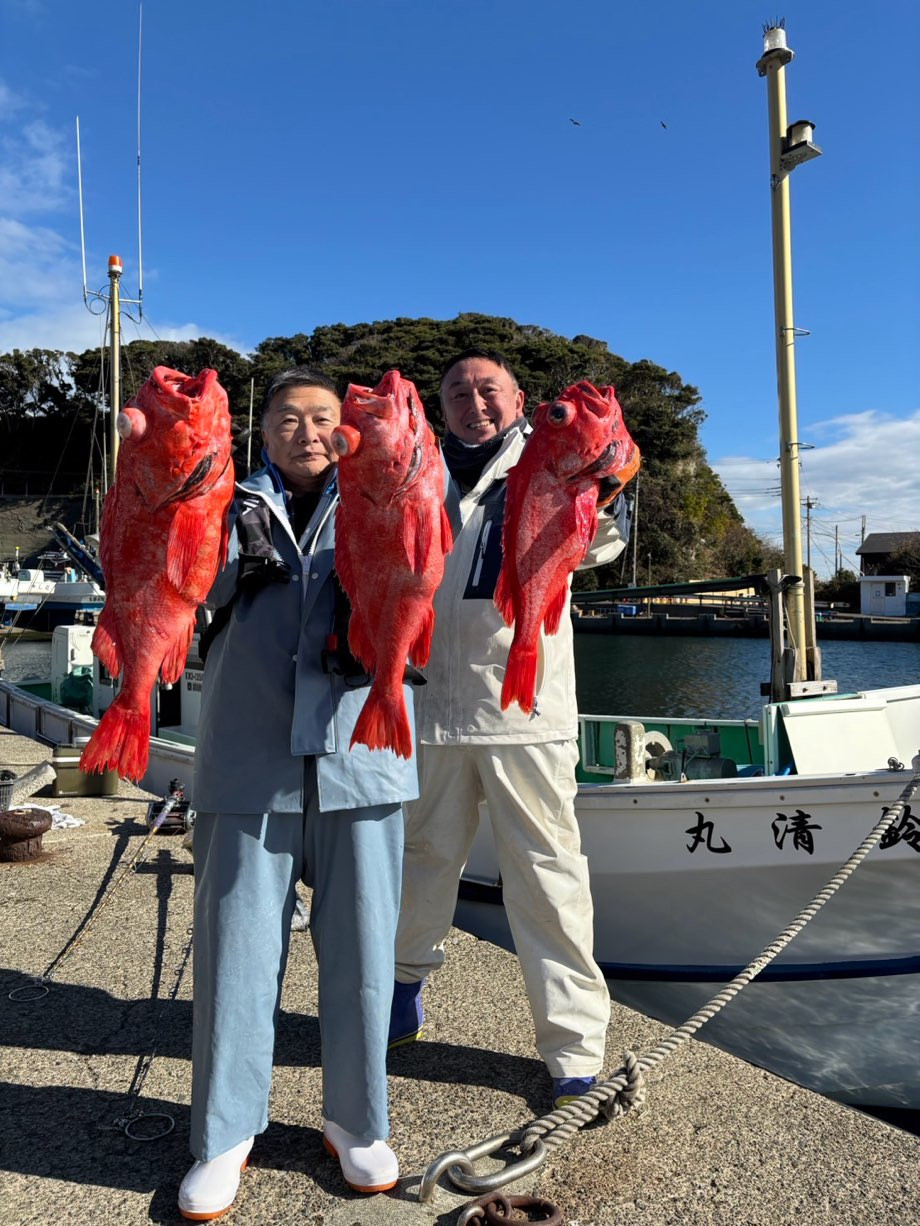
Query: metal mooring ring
(153,1136)
(497,1211)
(38,990)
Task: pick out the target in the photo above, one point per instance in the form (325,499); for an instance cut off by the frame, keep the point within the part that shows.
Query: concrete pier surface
(717,1142)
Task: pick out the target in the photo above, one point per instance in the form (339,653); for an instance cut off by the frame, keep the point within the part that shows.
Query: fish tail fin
(421,647)
(553,614)
(384,724)
(520,683)
(104,647)
(504,601)
(174,661)
(121,742)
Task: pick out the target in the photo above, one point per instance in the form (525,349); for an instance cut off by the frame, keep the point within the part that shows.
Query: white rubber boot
(368,1166)
(209,1189)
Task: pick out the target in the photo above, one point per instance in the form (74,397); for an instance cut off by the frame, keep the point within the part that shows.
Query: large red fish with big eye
(391,535)
(162,538)
(551,518)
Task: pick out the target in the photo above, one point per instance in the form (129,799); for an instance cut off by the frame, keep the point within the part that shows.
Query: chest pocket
(487,560)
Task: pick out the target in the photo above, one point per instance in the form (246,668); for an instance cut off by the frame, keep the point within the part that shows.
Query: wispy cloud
(35,171)
(40,269)
(864,467)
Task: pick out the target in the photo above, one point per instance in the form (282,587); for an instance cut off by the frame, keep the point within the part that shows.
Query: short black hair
(489,355)
(296,376)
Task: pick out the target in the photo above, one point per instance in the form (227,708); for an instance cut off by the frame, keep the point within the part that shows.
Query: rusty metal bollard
(21,833)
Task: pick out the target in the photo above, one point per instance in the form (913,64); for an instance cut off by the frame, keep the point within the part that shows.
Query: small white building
(883,595)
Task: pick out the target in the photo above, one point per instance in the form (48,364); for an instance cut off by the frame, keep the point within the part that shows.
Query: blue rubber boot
(565,1089)
(406,1014)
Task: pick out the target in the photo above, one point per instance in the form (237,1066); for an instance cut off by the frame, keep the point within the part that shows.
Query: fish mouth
(378,406)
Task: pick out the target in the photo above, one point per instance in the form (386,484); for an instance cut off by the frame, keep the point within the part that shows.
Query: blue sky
(310,163)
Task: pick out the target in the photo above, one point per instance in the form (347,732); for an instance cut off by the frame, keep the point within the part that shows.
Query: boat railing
(733,742)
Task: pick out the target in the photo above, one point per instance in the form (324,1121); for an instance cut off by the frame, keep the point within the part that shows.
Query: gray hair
(297,376)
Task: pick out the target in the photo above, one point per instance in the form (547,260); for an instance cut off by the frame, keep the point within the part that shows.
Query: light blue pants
(246,869)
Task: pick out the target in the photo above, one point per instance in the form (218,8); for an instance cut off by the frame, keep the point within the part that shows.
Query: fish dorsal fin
(186,537)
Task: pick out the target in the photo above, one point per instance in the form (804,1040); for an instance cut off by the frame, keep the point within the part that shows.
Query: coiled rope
(626,1088)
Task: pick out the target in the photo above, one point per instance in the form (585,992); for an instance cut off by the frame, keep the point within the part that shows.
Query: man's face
(297,432)
(479,399)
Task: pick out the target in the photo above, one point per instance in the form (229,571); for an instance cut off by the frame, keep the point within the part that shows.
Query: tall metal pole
(773,66)
(115,270)
(252,392)
(808,505)
(634,527)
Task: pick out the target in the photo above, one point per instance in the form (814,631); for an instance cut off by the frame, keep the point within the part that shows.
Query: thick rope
(626,1089)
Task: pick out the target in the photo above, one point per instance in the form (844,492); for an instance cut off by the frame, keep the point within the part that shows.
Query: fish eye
(560,413)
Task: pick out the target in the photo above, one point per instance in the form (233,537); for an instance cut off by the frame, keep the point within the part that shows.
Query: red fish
(162,538)
(391,535)
(551,518)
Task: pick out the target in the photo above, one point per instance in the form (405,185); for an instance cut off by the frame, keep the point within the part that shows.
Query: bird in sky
(663,124)
(576,122)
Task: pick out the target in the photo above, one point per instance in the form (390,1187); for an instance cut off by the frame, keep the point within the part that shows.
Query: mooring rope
(626,1089)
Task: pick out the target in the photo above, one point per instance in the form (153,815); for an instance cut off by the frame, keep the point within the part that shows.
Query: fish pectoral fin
(186,537)
(418,534)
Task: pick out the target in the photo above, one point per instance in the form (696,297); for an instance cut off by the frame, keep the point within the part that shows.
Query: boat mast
(789,146)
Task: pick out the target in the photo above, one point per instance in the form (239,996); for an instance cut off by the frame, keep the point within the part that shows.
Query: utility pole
(115,271)
(790,145)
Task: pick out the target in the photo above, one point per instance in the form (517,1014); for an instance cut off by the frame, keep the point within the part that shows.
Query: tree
(687,522)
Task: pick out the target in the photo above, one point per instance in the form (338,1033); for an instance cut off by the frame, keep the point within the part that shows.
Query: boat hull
(691,881)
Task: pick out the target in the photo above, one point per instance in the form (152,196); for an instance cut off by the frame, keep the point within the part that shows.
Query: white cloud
(866,466)
(34,172)
(41,275)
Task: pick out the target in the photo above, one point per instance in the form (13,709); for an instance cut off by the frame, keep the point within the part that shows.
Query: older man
(523,766)
(281,798)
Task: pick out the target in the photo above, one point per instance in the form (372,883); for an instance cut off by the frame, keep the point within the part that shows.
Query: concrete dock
(717,1142)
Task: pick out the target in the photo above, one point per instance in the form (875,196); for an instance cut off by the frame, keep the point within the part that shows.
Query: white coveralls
(523,766)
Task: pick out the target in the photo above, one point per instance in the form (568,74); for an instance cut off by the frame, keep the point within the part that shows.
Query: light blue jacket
(266,703)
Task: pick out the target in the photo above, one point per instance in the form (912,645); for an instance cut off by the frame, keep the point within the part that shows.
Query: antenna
(140,256)
(97,301)
(80,191)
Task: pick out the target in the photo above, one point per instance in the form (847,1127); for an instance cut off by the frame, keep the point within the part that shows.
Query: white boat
(35,600)
(692,880)
(693,877)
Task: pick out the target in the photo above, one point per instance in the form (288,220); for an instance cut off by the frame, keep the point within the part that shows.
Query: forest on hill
(52,420)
